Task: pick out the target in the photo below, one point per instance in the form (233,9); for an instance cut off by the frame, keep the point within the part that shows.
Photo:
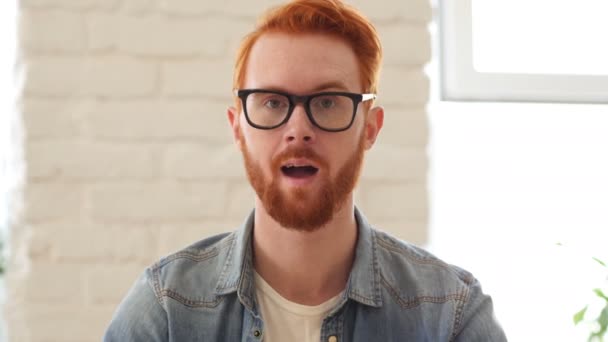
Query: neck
(305,267)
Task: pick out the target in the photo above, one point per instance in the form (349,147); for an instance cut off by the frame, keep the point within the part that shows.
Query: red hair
(320,16)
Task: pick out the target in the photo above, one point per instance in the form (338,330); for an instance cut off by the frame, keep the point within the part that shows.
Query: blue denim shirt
(395,292)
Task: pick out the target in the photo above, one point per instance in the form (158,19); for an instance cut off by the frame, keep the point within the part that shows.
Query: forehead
(302,63)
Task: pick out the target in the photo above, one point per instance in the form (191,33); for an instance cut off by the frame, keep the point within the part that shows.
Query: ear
(233,119)
(373,124)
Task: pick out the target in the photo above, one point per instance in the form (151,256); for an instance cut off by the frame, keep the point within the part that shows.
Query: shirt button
(257,333)
(332,339)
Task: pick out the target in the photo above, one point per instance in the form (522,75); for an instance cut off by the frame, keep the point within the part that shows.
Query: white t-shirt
(288,321)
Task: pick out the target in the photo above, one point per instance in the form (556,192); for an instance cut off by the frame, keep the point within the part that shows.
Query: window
(542,50)
(510,180)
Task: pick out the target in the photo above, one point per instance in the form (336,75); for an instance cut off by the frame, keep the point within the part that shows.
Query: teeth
(294,165)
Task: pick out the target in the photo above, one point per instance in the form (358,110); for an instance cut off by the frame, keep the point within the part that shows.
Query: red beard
(303,209)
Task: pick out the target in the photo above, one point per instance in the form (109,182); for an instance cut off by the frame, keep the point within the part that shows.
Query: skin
(306,267)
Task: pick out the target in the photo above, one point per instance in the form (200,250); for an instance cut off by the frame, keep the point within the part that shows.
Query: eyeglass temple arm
(366,97)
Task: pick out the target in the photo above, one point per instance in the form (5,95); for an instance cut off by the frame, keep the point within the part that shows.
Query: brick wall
(128,153)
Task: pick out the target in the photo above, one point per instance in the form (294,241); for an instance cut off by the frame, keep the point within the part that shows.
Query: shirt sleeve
(140,317)
(476,320)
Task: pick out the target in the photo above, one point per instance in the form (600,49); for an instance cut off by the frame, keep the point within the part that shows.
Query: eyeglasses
(329,111)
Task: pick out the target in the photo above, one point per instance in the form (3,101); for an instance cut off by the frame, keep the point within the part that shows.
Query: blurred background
(115,150)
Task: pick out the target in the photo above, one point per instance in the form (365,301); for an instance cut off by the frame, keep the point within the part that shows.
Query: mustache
(298,152)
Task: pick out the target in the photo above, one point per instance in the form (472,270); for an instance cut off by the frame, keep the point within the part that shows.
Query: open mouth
(299,171)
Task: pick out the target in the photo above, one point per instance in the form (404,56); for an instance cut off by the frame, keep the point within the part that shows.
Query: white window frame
(461,82)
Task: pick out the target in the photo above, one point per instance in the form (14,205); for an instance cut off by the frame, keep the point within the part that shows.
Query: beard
(304,209)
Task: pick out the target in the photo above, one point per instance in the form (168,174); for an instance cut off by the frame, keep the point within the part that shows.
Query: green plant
(601,321)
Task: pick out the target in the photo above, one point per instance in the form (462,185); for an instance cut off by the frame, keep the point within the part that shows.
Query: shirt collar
(363,284)
(364,281)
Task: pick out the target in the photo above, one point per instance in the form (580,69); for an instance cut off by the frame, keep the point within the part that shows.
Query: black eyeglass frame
(305,100)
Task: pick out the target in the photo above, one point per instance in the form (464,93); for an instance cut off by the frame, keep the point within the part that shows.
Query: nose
(299,127)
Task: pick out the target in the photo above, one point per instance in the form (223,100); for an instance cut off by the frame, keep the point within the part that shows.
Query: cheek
(259,149)
(344,150)
(338,154)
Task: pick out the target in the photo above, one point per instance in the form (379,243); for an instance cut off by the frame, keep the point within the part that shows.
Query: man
(306,265)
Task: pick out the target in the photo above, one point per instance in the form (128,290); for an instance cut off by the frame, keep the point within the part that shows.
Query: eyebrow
(330,85)
(323,86)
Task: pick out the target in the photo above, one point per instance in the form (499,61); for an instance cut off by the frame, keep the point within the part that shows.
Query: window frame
(461,82)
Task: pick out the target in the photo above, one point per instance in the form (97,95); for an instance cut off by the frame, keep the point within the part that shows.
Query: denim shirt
(395,292)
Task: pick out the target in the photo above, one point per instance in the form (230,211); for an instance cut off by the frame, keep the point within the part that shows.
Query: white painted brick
(52,31)
(251,9)
(74,160)
(163,36)
(53,202)
(385,10)
(18,330)
(203,120)
(38,243)
(395,163)
(415,232)
(403,86)
(61,323)
(157,202)
(102,30)
(191,7)
(17,259)
(76,244)
(139,6)
(156,35)
(120,77)
(108,284)
(241,197)
(174,237)
(404,127)
(211,78)
(71,4)
(53,118)
(394,201)
(201,161)
(230,7)
(418,11)
(236,30)
(405,44)
(104,77)
(55,283)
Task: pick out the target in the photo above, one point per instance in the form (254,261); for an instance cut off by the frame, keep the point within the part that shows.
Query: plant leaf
(600,294)
(603,322)
(599,261)
(578,317)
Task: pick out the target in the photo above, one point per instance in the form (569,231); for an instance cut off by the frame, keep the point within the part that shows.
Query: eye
(273,103)
(325,102)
